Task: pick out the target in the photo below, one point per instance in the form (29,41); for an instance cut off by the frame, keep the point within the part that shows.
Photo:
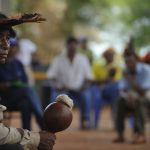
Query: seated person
(106,74)
(15,91)
(10,137)
(70,73)
(134,89)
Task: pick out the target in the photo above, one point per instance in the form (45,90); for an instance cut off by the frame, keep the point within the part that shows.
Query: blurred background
(106,24)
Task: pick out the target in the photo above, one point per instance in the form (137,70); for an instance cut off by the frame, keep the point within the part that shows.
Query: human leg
(35,103)
(83,101)
(13,99)
(139,122)
(97,102)
(110,93)
(121,109)
(26,112)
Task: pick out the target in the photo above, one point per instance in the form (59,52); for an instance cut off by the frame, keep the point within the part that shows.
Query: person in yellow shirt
(109,69)
(106,75)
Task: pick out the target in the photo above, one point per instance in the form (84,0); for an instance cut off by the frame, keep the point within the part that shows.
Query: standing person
(83,48)
(134,93)
(70,73)
(17,136)
(26,49)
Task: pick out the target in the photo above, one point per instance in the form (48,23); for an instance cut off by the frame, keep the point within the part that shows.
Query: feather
(25,18)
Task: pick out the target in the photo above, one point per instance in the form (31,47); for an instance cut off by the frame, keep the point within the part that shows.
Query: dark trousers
(27,100)
(122,109)
(10,147)
(81,99)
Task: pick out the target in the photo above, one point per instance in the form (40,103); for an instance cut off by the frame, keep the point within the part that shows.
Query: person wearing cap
(17,136)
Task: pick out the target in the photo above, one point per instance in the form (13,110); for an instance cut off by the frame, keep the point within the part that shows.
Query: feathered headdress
(6,23)
(12,21)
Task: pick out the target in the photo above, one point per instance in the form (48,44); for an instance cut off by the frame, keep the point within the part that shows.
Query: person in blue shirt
(134,92)
(10,137)
(14,89)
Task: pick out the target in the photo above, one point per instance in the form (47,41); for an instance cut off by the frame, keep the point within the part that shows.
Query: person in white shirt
(17,138)
(26,49)
(70,73)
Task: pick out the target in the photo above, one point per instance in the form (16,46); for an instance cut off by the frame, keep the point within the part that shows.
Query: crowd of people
(92,84)
(125,87)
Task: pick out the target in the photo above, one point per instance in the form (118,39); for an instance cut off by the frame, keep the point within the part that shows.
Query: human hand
(47,140)
(112,72)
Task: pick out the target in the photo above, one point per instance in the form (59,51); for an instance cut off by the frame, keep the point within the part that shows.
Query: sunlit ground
(101,139)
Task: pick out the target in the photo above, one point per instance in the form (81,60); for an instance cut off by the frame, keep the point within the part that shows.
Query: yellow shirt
(101,71)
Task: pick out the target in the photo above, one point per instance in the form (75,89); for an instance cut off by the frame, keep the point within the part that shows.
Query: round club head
(57,117)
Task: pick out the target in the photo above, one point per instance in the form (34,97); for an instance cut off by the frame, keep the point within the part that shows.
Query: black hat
(6,27)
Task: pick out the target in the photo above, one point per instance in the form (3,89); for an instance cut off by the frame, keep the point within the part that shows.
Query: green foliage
(139,21)
(134,15)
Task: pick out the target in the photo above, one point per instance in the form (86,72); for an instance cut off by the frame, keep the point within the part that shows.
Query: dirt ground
(100,139)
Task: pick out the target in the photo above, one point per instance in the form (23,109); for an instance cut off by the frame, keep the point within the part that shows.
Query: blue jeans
(110,92)
(101,95)
(97,103)
(27,100)
(82,99)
